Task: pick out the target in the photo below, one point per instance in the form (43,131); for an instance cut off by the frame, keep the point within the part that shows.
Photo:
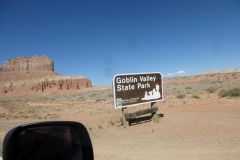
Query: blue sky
(98,39)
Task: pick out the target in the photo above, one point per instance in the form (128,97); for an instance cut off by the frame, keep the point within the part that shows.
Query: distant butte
(26,68)
(35,63)
(37,74)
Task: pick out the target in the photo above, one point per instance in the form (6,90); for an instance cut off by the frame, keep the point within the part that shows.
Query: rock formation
(35,63)
(36,74)
(26,68)
(71,83)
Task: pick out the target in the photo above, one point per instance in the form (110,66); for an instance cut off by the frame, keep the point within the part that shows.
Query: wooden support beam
(152,110)
(153,105)
(124,120)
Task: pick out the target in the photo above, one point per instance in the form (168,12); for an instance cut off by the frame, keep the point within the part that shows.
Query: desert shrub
(15,116)
(25,116)
(196,96)
(233,92)
(2,115)
(110,95)
(121,120)
(111,123)
(100,127)
(93,95)
(211,89)
(180,96)
(188,87)
(99,100)
(155,118)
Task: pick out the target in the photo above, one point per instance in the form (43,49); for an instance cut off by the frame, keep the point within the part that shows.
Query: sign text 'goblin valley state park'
(132,89)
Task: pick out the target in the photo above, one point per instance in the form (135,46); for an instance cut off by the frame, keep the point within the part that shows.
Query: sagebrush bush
(233,92)
(181,96)
(111,123)
(155,118)
(188,87)
(211,89)
(195,96)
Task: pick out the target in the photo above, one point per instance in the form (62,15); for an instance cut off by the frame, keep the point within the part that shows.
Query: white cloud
(180,72)
(177,74)
(169,74)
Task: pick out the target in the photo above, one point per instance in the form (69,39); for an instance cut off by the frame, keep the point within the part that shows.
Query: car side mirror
(57,140)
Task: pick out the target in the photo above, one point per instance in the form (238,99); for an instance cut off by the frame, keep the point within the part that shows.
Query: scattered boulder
(7,88)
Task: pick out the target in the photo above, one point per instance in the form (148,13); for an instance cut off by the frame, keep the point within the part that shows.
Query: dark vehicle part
(56,140)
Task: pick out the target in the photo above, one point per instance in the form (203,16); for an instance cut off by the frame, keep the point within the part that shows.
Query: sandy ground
(191,129)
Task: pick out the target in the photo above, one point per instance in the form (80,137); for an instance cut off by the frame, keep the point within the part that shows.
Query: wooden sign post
(135,89)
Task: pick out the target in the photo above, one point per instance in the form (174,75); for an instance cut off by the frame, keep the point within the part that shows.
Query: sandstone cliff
(26,68)
(35,63)
(36,74)
(70,83)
